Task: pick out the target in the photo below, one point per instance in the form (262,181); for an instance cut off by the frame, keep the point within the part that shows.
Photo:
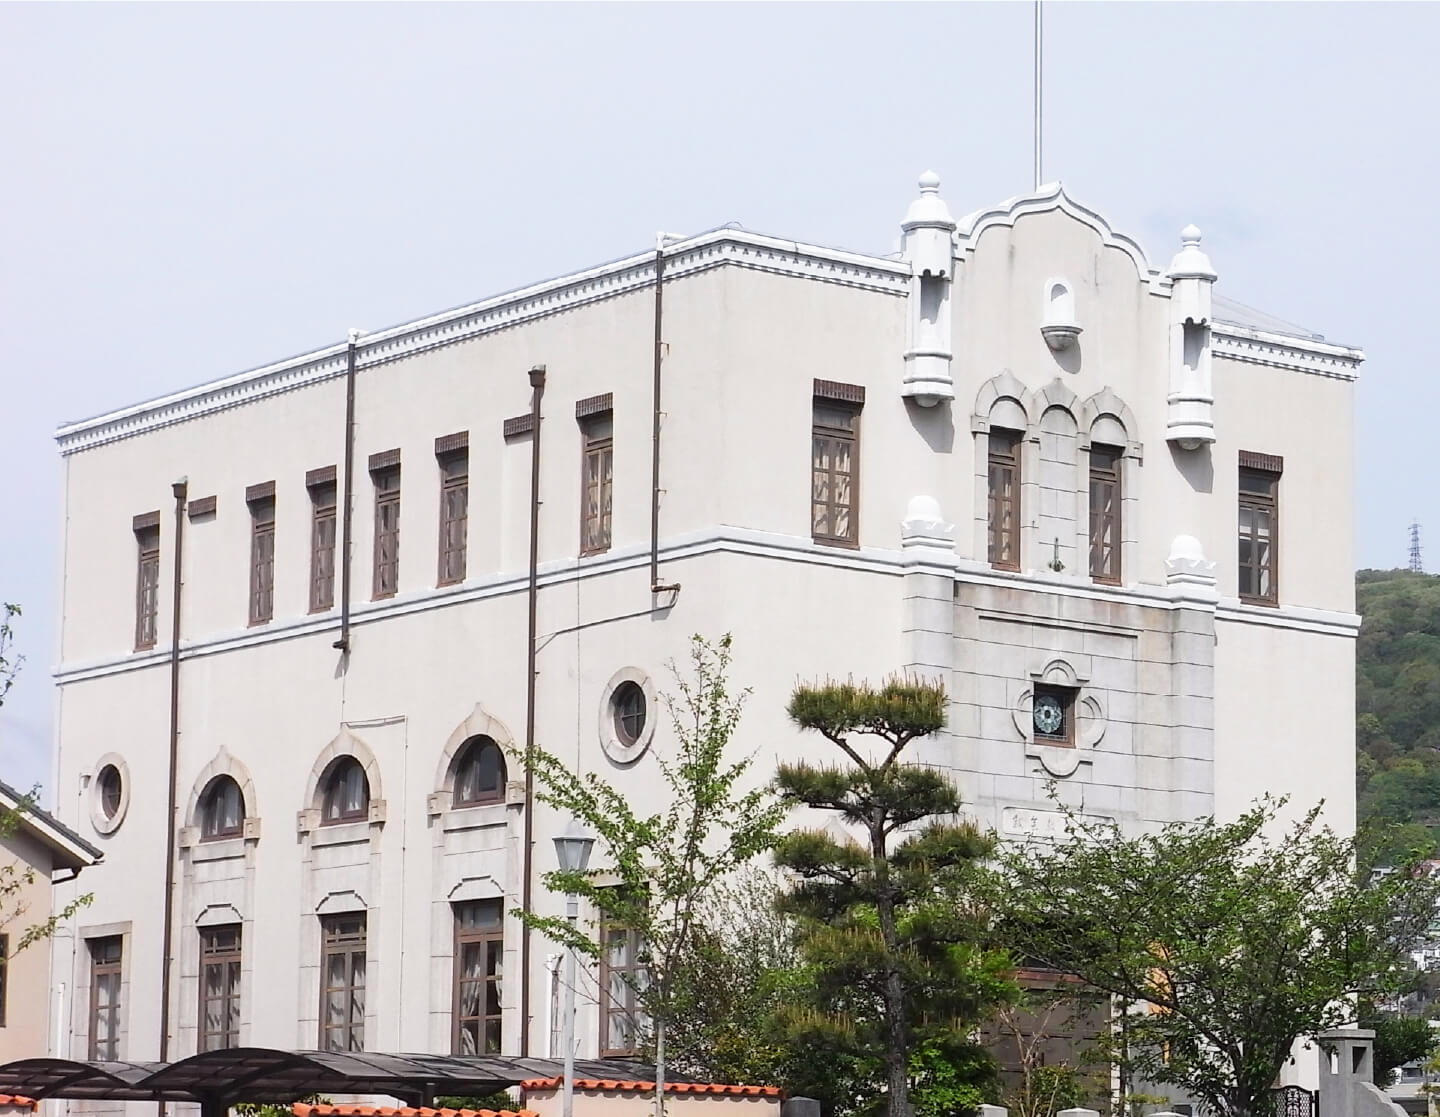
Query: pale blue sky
(189,190)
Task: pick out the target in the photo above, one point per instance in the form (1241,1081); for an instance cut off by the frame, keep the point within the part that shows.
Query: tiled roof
(615,1085)
(17,1101)
(75,850)
(303,1109)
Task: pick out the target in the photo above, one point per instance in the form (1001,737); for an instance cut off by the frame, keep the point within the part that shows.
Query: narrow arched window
(222,810)
(479,773)
(347,793)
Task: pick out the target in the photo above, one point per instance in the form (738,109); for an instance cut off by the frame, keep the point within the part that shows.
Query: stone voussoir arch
(222,764)
(344,743)
(1106,403)
(480,723)
(1004,385)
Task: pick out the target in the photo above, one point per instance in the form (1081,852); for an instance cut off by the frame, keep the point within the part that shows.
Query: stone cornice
(932,559)
(720,248)
(1261,347)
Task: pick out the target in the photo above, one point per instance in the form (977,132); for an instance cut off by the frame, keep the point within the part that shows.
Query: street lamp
(572,850)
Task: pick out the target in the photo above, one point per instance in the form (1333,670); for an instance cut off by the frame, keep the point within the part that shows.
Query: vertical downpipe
(537,390)
(179,489)
(344,642)
(656,586)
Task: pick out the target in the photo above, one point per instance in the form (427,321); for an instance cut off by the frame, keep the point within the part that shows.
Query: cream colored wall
(1284,720)
(27,978)
(614,1103)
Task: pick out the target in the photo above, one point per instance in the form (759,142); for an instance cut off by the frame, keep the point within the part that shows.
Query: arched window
(479,773)
(222,810)
(347,793)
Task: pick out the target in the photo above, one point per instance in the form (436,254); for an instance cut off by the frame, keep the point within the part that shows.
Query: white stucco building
(1110,508)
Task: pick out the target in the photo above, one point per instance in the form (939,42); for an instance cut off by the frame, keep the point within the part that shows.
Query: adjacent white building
(1111,509)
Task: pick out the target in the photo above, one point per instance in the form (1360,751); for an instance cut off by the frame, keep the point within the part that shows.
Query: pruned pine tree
(655,873)
(902,972)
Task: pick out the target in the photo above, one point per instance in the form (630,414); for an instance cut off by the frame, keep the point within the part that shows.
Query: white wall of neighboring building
(1189,702)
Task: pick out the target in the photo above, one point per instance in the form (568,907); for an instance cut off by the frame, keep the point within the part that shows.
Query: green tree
(1398,1040)
(660,870)
(1239,937)
(15,878)
(895,945)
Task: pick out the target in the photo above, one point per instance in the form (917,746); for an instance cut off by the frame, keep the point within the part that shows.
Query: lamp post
(572,850)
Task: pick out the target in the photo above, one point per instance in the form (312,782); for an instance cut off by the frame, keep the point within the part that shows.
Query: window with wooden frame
(623,980)
(260,499)
(222,810)
(1105,464)
(147,579)
(479,968)
(452,453)
(835,463)
(4,975)
(342,982)
(1259,527)
(320,483)
(1053,715)
(1003,505)
(106,955)
(479,774)
(346,795)
(596,417)
(385,473)
(219,987)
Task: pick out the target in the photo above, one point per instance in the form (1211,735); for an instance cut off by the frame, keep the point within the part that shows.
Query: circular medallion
(1049,715)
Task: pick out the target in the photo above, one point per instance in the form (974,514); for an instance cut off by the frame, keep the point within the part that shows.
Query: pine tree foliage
(894,944)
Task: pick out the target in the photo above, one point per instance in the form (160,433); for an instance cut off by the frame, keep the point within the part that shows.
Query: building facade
(1014,456)
(37,852)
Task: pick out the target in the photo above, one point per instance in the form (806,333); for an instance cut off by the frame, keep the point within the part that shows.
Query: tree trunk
(660,1065)
(896,1054)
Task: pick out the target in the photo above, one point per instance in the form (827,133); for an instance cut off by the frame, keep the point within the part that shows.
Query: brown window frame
(597,454)
(482,935)
(1265,472)
(101,969)
(330,788)
(1003,451)
(454,514)
(469,755)
(624,710)
(1107,464)
(112,790)
(827,435)
(260,500)
(1066,696)
(337,940)
(324,521)
(209,831)
(385,476)
(632,1009)
(227,958)
(147,583)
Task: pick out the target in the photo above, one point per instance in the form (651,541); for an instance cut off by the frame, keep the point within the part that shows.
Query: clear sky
(188,190)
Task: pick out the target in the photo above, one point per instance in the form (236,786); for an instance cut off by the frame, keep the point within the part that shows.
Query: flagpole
(1039,91)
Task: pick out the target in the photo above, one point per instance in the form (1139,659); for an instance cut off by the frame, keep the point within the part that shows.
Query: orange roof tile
(19,1101)
(616,1085)
(304,1109)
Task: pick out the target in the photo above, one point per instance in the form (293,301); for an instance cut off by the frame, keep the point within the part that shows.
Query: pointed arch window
(222,810)
(346,794)
(479,773)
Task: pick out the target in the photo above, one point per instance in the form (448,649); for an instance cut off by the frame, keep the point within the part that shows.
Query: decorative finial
(1190,235)
(929,183)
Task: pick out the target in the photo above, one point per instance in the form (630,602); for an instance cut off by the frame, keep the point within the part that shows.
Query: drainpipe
(179,489)
(537,390)
(344,642)
(656,586)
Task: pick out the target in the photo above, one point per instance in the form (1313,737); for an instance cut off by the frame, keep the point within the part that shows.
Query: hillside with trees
(1397,711)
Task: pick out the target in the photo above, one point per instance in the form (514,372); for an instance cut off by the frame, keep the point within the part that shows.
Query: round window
(109,793)
(626,726)
(109,788)
(628,703)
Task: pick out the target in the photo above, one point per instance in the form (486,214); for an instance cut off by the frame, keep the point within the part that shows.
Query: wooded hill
(1397,710)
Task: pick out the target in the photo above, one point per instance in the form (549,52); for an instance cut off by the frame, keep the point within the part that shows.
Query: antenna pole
(1416,565)
(1039,92)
